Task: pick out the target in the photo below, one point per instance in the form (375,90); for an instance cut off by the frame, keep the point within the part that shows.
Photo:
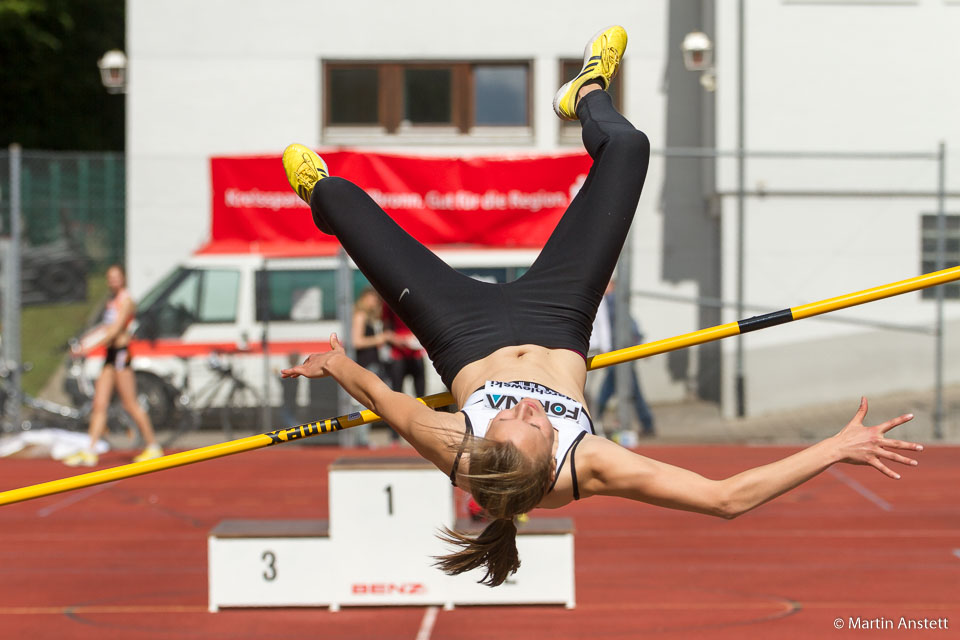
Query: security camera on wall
(697,51)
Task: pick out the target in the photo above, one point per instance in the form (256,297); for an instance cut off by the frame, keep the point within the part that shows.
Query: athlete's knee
(631,142)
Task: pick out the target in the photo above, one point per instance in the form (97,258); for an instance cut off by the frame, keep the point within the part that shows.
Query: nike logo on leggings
(405,292)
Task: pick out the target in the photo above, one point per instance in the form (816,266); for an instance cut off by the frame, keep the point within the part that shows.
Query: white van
(242,306)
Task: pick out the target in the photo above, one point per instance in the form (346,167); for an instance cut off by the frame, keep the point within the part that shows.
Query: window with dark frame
(300,295)
(394,95)
(501,95)
(569,70)
(188,297)
(428,95)
(359,91)
(929,232)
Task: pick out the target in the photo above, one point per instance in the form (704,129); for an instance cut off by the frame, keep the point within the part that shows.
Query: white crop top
(566,415)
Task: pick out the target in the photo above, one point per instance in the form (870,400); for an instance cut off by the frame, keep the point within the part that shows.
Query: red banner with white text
(497,202)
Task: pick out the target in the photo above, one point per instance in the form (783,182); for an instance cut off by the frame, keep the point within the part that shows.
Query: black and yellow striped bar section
(444,399)
(772,319)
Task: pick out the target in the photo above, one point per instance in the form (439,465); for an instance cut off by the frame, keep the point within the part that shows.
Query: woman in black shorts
(513,354)
(113,334)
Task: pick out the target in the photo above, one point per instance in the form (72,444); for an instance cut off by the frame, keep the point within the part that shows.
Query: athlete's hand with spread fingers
(315,366)
(859,444)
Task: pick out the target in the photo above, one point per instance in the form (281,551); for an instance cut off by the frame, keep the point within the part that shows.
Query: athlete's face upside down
(527,427)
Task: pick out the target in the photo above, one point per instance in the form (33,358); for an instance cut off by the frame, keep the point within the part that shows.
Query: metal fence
(72,211)
(61,218)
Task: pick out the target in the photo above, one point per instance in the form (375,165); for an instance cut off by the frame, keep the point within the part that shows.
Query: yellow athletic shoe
(601,59)
(304,169)
(151,452)
(82,458)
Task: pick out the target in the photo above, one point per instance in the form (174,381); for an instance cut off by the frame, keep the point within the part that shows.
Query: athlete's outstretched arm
(616,471)
(429,431)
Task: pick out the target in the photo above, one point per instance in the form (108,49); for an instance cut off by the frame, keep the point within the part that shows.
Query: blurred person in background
(603,340)
(369,337)
(113,334)
(406,358)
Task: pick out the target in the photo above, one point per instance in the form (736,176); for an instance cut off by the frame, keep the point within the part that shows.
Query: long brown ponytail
(506,484)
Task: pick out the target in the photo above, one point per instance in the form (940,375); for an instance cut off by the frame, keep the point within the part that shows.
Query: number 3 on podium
(270,560)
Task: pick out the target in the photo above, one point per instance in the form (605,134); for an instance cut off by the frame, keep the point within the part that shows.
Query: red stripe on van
(177,348)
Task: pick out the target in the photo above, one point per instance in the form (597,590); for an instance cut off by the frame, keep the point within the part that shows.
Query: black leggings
(400,368)
(460,320)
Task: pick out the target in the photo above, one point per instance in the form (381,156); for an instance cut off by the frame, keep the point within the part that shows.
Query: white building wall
(836,76)
(219,78)
(214,78)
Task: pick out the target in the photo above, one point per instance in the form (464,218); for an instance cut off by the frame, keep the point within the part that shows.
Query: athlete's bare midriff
(562,370)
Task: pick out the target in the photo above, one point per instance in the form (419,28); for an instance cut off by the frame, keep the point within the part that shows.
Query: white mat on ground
(55,443)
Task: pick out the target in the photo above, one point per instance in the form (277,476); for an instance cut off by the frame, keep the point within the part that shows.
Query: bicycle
(49,414)
(227,394)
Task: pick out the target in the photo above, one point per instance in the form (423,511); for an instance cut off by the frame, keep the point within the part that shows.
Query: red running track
(128,560)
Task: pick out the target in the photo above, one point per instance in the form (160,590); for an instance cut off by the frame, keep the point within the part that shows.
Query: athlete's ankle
(590,87)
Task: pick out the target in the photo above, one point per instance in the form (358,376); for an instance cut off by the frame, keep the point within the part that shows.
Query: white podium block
(372,499)
(384,517)
(269,563)
(379,549)
(545,576)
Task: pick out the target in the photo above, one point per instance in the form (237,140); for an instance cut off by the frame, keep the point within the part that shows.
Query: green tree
(50,91)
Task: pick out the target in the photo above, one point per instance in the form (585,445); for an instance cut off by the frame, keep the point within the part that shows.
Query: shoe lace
(306,173)
(609,59)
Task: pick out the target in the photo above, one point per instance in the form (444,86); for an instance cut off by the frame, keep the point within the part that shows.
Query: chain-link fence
(72,217)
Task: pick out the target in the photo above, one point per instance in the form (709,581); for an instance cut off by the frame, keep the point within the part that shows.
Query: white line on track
(426,625)
(862,490)
(69,500)
(956,552)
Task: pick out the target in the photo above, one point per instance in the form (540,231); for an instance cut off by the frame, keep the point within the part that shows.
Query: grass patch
(46,328)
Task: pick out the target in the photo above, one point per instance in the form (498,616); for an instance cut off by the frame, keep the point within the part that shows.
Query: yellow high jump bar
(443,399)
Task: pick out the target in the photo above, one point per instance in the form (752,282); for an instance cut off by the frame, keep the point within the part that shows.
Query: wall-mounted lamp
(113,71)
